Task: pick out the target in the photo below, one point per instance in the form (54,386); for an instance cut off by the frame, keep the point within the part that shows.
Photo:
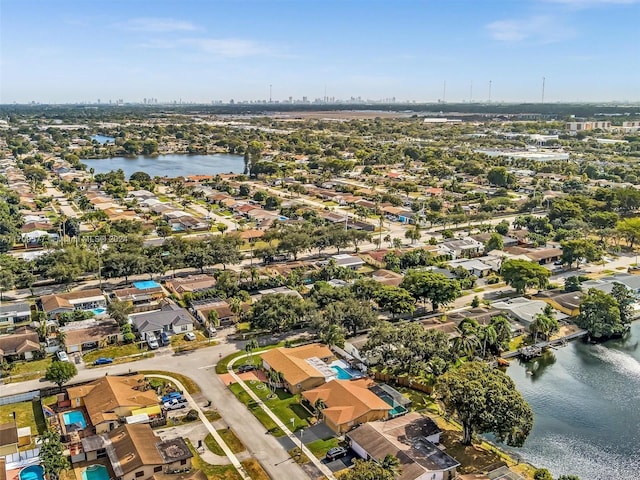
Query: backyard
(28,414)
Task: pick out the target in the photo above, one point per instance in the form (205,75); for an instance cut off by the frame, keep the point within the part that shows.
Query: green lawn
(117,352)
(191,386)
(285,406)
(419,400)
(213,472)
(33,366)
(221,366)
(180,344)
(28,414)
(319,448)
(260,414)
(233,442)
(255,470)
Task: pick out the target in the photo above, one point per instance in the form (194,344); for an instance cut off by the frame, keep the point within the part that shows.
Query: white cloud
(219,47)
(536,29)
(157,25)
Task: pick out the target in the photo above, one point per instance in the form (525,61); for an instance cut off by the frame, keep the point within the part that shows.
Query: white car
(62,356)
(176,404)
(152,341)
(190,336)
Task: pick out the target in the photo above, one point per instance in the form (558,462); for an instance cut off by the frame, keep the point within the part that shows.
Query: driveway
(341,463)
(199,365)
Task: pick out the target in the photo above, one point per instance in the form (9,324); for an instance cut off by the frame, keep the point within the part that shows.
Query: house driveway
(319,431)
(255,375)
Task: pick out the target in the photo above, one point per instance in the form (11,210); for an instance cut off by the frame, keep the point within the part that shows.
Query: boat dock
(536,350)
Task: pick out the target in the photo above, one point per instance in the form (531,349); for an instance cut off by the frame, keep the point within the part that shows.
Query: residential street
(199,365)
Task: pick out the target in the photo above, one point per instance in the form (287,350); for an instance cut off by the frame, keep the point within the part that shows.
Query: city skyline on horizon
(71,52)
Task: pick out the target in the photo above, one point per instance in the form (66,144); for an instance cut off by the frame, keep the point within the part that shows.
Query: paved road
(199,365)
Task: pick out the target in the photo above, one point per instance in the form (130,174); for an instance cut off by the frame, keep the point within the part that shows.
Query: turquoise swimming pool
(99,310)
(32,472)
(146,284)
(342,374)
(95,472)
(75,418)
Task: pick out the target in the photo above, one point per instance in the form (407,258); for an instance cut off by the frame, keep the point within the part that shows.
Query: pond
(171,165)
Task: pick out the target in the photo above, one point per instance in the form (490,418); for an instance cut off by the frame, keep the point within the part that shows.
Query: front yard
(29,370)
(119,353)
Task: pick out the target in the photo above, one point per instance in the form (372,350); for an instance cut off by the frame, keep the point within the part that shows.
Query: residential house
(14,313)
(111,398)
(271,291)
(136,453)
(302,368)
(85,300)
(348,403)
(21,344)
(463,247)
(90,334)
(353,348)
(387,277)
(170,319)
(410,440)
(506,241)
(474,266)
(192,284)
(8,438)
(142,300)
(523,310)
(345,260)
(565,302)
(202,309)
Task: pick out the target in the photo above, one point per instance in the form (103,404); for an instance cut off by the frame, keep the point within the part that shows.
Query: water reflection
(535,368)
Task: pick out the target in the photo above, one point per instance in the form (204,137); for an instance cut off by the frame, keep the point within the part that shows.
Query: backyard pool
(75,418)
(342,374)
(32,472)
(146,284)
(95,472)
(99,310)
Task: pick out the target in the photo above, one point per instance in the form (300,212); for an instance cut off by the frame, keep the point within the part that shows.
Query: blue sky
(57,51)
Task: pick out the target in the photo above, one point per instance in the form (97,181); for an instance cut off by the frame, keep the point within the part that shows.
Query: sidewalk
(323,468)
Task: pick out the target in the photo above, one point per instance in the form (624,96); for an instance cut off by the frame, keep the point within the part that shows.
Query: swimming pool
(95,472)
(74,417)
(397,410)
(32,472)
(146,284)
(342,374)
(99,310)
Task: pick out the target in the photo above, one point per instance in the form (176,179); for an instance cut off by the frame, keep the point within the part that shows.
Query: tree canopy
(523,274)
(600,314)
(486,400)
(60,372)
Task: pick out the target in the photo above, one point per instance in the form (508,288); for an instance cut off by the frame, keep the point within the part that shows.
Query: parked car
(336,452)
(172,396)
(246,368)
(212,332)
(176,404)
(190,336)
(152,341)
(62,356)
(164,339)
(103,361)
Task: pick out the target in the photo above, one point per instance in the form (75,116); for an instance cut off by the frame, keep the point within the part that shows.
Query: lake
(102,139)
(586,400)
(172,165)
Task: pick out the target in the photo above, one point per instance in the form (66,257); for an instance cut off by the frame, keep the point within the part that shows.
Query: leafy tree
(332,334)
(522,274)
(475,302)
(60,372)
(580,249)
(625,302)
(495,242)
(572,284)
(500,177)
(435,287)
(542,474)
(7,282)
(367,470)
(485,400)
(351,314)
(413,234)
(120,311)
(52,456)
(395,300)
(278,312)
(629,228)
(600,315)
(568,477)
(502,228)
(544,324)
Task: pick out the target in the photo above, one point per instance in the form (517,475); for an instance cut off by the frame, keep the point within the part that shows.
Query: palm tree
(391,464)
(235,305)
(318,406)
(250,347)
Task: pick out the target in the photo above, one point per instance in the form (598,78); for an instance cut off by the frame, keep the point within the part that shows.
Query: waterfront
(587,415)
(171,165)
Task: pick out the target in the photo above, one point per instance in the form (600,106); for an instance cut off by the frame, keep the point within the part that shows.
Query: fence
(20,397)
(22,458)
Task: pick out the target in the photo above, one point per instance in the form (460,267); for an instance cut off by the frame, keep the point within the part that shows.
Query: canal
(586,400)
